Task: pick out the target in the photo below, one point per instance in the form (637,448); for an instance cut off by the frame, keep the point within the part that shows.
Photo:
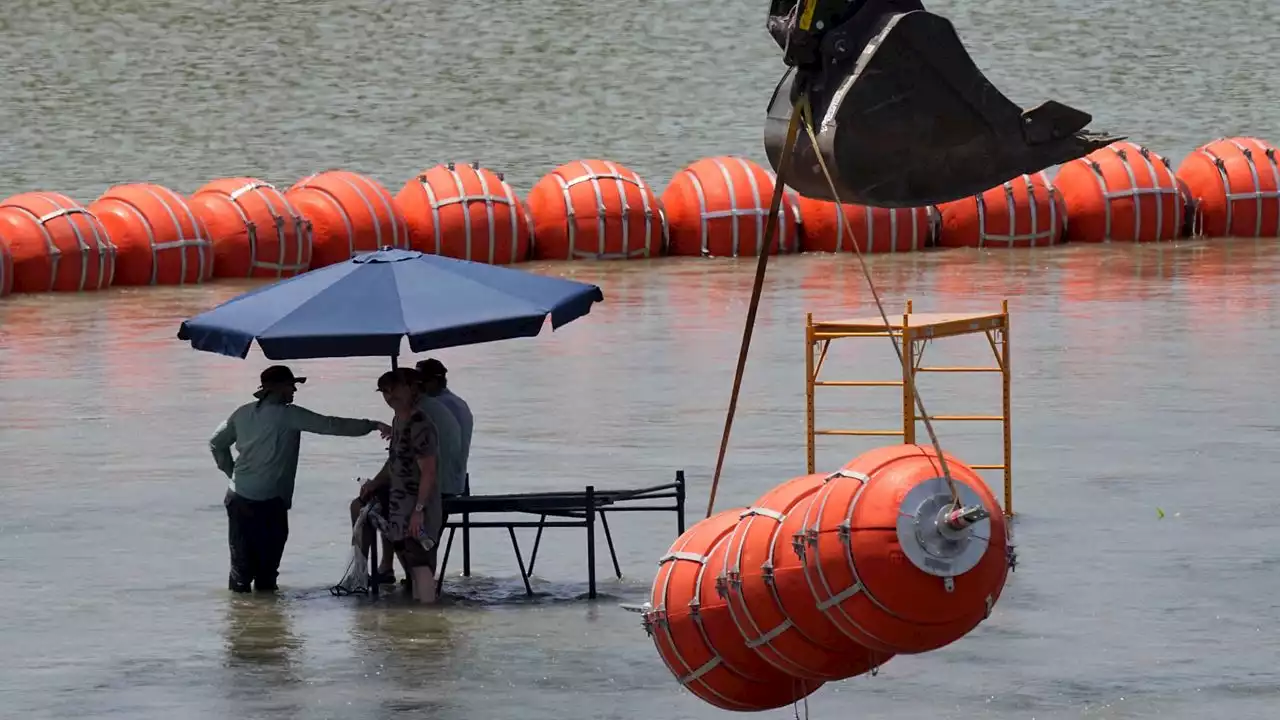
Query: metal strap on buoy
(1123,152)
(754,635)
(620,180)
(869,221)
(201,243)
(832,605)
(399,231)
(1257,194)
(757,211)
(100,241)
(1011,207)
(301,228)
(508,198)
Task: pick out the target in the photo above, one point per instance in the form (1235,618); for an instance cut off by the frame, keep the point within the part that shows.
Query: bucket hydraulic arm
(903,116)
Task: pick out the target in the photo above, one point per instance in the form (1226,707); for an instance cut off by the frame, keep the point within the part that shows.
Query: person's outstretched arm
(300,418)
(220,445)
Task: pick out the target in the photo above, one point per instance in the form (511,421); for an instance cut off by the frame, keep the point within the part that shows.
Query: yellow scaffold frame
(914,332)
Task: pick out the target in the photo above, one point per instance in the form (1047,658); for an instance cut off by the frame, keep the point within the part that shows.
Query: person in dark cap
(267,434)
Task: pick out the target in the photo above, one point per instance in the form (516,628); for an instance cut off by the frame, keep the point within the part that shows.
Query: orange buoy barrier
(158,239)
(55,244)
(767,591)
(692,628)
(1024,212)
(349,214)
(1120,193)
(1236,185)
(823,227)
(465,212)
(890,563)
(595,209)
(254,229)
(719,206)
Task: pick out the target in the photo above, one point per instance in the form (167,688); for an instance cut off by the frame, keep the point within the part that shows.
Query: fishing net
(355,580)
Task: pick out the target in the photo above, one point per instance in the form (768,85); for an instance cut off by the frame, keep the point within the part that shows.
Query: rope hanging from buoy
(802,113)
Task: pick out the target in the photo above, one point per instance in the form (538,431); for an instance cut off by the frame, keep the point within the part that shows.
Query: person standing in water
(266,434)
(411,478)
(450,470)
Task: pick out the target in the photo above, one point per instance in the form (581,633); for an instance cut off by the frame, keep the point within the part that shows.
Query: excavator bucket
(904,118)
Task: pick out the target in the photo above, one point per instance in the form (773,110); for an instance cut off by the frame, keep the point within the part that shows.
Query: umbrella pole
(373,550)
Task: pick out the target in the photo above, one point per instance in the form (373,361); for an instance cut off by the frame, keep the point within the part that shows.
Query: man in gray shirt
(267,434)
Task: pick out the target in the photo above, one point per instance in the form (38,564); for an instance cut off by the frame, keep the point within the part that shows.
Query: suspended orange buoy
(254,229)
(1120,193)
(719,206)
(891,563)
(465,212)
(695,635)
(1236,183)
(595,209)
(349,214)
(159,240)
(823,227)
(55,244)
(1024,212)
(762,589)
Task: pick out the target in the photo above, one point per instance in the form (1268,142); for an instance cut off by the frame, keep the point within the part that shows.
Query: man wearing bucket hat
(267,434)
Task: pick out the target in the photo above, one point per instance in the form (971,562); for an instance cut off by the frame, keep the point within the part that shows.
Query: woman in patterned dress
(415,513)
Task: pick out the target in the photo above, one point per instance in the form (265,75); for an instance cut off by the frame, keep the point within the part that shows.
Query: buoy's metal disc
(929,544)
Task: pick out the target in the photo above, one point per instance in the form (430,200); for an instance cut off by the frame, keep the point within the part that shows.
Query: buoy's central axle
(963,517)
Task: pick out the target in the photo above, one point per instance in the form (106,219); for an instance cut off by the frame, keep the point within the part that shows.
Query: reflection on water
(1136,376)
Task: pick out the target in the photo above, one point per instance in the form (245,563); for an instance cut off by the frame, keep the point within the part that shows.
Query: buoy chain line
(802,112)
(803,109)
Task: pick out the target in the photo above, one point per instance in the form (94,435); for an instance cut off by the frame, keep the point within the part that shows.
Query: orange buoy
(890,563)
(465,212)
(759,581)
(595,209)
(1120,193)
(254,229)
(695,635)
(349,214)
(823,227)
(1024,212)
(55,244)
(1236,184)
(158,239)
(719,206)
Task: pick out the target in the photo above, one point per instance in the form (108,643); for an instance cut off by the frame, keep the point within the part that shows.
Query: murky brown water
(1143,377)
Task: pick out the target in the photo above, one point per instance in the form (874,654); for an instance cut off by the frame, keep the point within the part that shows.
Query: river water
(1142,377)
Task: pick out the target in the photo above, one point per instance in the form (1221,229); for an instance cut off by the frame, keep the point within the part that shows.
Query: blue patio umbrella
(363,307)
